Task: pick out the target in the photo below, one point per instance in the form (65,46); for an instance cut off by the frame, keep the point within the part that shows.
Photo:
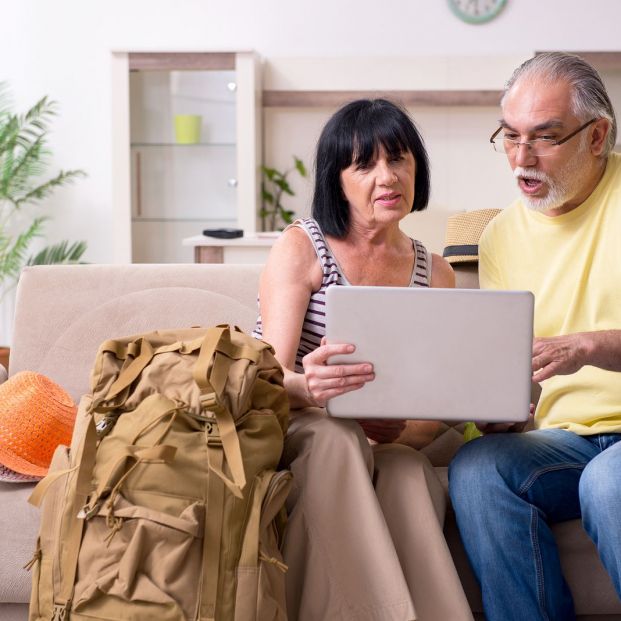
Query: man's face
(560,181)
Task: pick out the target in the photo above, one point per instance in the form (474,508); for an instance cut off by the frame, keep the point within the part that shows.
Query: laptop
(445,354)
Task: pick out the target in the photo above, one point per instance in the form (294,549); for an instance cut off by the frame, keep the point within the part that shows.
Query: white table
(246,249)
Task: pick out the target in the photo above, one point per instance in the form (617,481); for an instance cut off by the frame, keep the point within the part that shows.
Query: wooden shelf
(600,60)
(185,145)
(330,99)
(181,61)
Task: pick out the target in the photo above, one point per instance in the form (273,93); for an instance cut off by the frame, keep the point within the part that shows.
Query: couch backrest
(63,313)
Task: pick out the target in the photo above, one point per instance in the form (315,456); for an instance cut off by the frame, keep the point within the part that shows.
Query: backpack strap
(211,374)
(129,372)
(71,529)
(213,528)
(268,496)
(43,486)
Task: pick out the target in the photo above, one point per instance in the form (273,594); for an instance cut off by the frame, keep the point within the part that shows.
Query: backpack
(168,505)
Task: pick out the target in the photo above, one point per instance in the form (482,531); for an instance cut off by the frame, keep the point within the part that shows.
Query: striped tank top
(314,327)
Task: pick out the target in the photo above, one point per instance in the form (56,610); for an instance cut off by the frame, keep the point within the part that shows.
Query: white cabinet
(181,185)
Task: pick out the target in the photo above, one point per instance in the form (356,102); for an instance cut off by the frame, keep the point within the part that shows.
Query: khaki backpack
(168,505)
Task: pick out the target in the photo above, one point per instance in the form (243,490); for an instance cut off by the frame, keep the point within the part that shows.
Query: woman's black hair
(353,135)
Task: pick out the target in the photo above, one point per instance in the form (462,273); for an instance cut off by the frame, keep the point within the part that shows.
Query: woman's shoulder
(293,254)
(295,239)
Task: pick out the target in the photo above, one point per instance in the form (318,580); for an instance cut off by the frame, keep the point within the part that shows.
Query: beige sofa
(64,312)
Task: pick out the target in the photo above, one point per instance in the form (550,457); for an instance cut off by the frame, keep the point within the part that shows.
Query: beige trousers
(364,540)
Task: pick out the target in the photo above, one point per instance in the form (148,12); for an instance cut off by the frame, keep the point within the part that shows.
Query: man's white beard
(554,197)
(561,189)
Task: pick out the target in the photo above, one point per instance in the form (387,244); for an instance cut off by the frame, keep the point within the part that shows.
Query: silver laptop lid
(447,354)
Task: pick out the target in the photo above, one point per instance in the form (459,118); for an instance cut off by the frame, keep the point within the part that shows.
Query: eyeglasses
(539,147)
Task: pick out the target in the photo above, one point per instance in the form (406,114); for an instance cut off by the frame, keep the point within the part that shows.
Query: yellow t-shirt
(572,264)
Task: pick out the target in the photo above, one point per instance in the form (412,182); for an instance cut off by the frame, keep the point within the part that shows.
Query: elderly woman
(364,540)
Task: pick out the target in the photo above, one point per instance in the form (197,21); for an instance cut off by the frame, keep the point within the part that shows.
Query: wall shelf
(602,61)
(203,220)
(312,99)
(194,145)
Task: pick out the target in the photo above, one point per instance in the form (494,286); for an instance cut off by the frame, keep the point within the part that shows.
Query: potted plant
(274,185)
(23,159)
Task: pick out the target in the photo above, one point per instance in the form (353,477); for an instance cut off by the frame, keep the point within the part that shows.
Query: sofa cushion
(134,313)
(19,524)
(99,302)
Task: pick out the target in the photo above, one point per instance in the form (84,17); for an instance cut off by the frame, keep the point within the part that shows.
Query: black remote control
(224,233)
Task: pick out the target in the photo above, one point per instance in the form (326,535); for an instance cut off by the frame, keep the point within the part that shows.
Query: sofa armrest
(3,374)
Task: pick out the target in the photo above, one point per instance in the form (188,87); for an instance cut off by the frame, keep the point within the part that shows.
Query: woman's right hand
(325,381)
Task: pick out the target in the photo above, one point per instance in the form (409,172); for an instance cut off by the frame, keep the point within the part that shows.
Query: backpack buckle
(61,612)
(104,426)
(208,401)
(88,511)
(212,432)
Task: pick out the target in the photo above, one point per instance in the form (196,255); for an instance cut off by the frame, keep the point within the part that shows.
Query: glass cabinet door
(183,159)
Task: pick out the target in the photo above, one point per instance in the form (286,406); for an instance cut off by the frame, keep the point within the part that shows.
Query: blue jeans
(507,488)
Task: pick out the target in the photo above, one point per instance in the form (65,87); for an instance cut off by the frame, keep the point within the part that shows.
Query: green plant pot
(188,128)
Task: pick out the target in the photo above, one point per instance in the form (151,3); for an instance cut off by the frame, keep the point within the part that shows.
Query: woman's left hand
(325,381)
(382,431)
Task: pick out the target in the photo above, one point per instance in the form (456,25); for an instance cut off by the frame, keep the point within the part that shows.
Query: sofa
(62,315)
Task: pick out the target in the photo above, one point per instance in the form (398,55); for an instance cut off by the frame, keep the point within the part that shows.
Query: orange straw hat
(36,415)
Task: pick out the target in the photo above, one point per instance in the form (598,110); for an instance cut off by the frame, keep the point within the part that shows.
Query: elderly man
(560,240)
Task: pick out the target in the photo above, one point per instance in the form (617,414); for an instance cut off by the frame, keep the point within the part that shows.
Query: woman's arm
(291,275)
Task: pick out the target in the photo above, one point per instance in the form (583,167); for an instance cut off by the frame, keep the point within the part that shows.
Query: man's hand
(564,355)
(559,355)
(383,431)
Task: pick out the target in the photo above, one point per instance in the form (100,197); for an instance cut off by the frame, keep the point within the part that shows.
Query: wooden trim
(602,60)
(331,99)
(208,254)
(181,61)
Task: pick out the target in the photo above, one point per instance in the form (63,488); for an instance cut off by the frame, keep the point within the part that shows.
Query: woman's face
(382,191)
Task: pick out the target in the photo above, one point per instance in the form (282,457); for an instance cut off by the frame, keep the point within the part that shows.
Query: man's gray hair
(589,98)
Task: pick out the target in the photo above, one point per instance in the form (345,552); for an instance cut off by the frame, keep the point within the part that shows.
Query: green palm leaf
(13,250)
(24,159)
(59,253)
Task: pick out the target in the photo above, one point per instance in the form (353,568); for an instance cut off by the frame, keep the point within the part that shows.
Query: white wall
(456,137)
(63,49)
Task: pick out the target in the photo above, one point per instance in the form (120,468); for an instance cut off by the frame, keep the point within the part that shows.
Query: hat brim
(463,259)
(10,476)
(18,464)
(462,253)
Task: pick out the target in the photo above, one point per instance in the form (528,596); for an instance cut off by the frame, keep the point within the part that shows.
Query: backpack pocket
(45,556)
(138,563)
(260,594)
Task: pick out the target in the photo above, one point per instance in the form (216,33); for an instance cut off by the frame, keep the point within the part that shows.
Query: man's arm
(564,355)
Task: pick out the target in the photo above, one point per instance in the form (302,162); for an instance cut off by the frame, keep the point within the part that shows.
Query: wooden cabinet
(181,185)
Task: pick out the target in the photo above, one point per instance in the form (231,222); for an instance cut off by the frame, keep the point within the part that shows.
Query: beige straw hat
(36,415)
(463,230)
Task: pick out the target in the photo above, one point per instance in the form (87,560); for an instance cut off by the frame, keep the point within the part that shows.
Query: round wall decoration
(477,11)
